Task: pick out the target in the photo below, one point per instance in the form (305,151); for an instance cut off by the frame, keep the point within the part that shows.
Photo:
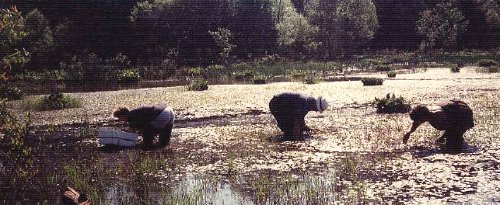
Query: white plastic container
(111,136)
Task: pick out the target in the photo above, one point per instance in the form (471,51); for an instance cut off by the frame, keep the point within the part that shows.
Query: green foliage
(370,63)
(372,81)
(128,76)
(391,74)
(56,101)
(223,39)
(198,85)
(441,26)
(243,75)
(391,104)
(92,69)
(344,25)
(12,32)
(17,155)
(10,92)
(383,68)
(296,33)
(487,63)
(299,74)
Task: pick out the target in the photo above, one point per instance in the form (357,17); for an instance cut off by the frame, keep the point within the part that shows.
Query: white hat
(321,104)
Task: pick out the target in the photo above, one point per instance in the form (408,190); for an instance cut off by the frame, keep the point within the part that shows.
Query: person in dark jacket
(150,120)
(455,117)
(290,108)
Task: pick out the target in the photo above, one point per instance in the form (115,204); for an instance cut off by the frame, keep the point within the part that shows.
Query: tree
(253,26)
(12,32)
(223,38)
(441,26)
(296,34)
(344,25)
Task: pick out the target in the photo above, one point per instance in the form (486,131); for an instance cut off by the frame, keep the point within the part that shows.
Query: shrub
(57,101)
(198,85)
(391,74)
(369,63)
(128,76)
(372,81)
(487,63)
(243,75)
(260,79)
(10,92)
(195,71)
(391,104)
(455,69)
(298,73)
(383,68)
(310,79)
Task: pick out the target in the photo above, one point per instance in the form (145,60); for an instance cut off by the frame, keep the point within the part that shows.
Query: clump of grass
(54,101)
(487,63)
(372,81)
(391,74)
(259,79)
(383,68)
(391,104)
(198,85)
(310,79)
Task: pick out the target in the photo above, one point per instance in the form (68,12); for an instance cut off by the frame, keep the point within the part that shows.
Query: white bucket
(111,136)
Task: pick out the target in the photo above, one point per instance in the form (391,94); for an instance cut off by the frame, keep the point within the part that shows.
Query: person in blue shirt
(290,108)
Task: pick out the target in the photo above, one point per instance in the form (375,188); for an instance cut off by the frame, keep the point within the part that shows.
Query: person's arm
(414,127)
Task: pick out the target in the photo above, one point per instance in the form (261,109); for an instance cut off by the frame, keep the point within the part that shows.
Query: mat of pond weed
(227,136)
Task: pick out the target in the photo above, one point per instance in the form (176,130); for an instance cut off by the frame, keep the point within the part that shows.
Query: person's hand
(406,137)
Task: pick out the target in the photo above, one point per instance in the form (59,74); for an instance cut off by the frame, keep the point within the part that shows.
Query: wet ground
(226,148)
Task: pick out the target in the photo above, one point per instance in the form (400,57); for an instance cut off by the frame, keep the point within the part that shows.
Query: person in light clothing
(289,110)
(151,120)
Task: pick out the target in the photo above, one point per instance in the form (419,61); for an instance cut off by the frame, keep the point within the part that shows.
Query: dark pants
(286,118)
(454,139)
(164,135)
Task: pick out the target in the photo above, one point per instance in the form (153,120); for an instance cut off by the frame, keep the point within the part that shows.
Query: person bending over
(150,120)
(289,110)
(454,117)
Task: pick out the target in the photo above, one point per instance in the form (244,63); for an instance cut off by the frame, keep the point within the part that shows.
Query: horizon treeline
(204,32)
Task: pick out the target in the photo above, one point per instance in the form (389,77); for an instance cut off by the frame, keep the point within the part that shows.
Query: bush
(383,68)
(260,79)
(487,63)
(198,85)
(298,73)
(391,104)
(10,92)
(372,81)
(369,63)
(310,79)
(243,75)
(56,101)
(128,76)
(391,74)
(455,69)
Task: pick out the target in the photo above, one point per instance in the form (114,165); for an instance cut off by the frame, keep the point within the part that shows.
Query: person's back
(290,108)
(455,117)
